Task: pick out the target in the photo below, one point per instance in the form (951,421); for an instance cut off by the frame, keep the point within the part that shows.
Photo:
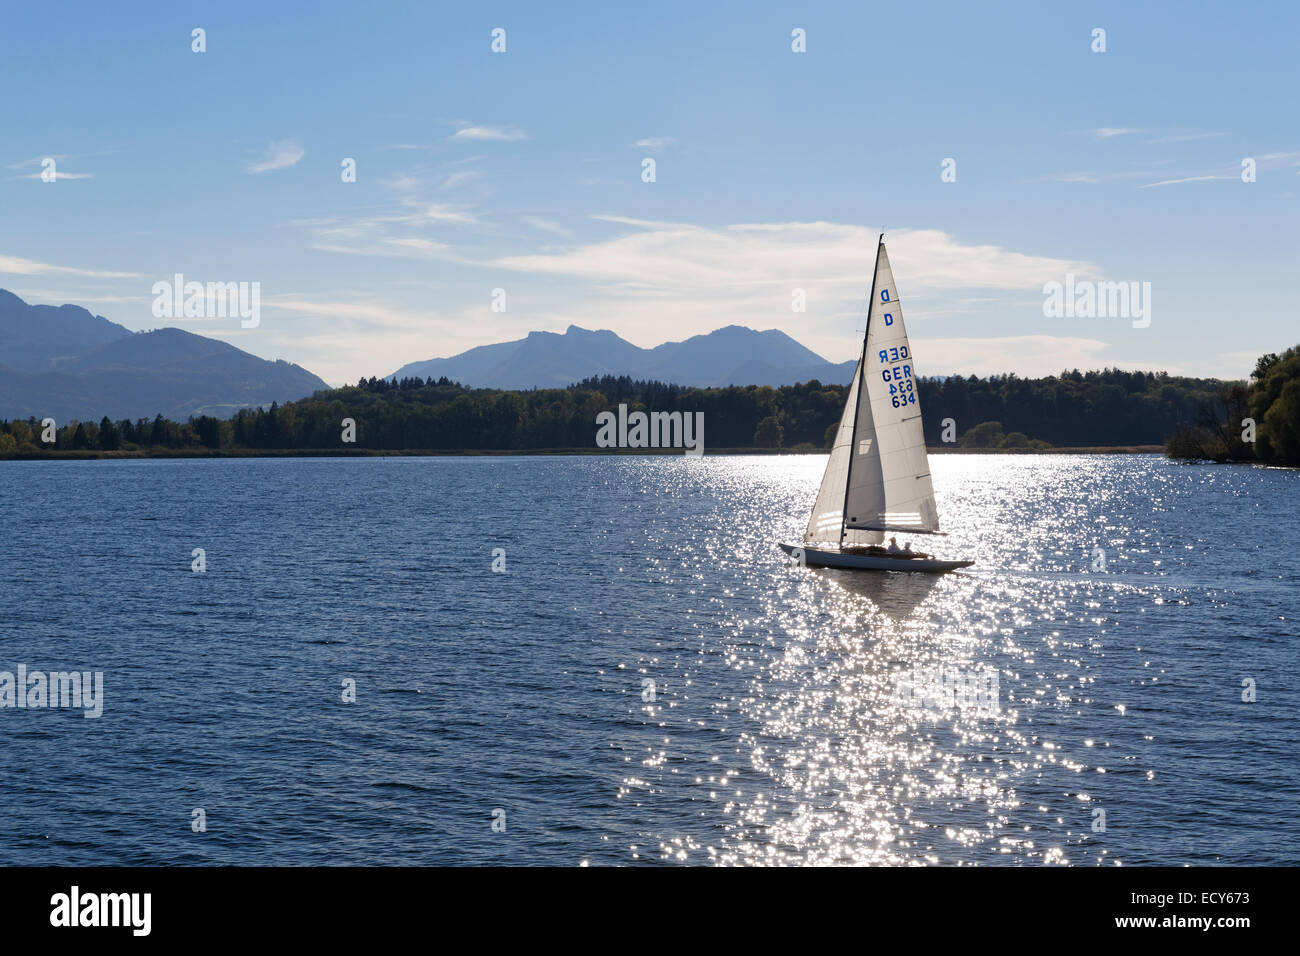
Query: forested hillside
(1109,407)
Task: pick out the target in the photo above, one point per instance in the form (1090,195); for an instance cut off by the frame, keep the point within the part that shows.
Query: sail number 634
(902,391)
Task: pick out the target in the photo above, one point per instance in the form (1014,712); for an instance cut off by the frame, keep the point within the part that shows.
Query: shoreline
(91,454)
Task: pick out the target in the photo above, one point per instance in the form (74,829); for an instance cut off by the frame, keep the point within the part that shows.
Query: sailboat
(878,477)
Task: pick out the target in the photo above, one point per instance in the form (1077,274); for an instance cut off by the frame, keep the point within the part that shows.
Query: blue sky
(774,171)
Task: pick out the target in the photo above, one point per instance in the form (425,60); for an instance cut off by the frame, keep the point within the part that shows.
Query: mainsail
(878,469)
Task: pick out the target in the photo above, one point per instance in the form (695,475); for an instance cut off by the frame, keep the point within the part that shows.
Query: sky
(775,170)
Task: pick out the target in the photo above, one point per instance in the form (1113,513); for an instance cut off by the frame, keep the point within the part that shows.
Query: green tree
(1282,425)
(769,433)
(208,430)
(109,439)
(1273,405)
(983,435)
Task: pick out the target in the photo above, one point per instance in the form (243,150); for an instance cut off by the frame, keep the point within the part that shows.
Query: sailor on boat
(904,552)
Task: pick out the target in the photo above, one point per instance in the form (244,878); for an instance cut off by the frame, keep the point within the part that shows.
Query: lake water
(781,728)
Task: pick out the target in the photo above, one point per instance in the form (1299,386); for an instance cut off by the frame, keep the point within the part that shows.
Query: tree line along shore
(1109,410)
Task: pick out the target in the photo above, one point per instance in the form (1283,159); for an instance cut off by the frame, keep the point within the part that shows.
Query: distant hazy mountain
(65,363)
(733,355)
(35,336)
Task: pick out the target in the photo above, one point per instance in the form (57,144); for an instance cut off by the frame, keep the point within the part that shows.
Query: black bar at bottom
(368,904)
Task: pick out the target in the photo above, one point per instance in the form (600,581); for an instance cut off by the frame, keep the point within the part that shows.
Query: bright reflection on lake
(1119,690)
(649,680)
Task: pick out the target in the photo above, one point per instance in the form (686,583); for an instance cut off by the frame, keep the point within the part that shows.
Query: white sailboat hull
(849,561)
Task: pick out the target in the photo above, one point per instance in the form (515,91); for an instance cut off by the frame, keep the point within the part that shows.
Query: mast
(862,374)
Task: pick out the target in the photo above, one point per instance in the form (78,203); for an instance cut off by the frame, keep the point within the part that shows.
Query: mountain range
(733,355)
(65,363)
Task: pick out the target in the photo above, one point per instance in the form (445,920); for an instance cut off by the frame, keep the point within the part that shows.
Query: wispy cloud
(371,312)
(438,212)
(499,133)
(411,247)
(350,333)
(279,155)
(402,183)
(652,281)
(58,174)
(459,178)
(673,279)
(37,160)
(656,142)
(546,225)
(1232,171)
(397,233)
(1109,132)
(414,214)
(1070,178)
(15,265)
(1096,178)
(696,259)
(1185,179)
(419,246)
(80,298)
(1029,355)
(1185,138)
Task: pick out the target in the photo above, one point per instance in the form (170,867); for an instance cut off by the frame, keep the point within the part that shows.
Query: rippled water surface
(1110,728)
